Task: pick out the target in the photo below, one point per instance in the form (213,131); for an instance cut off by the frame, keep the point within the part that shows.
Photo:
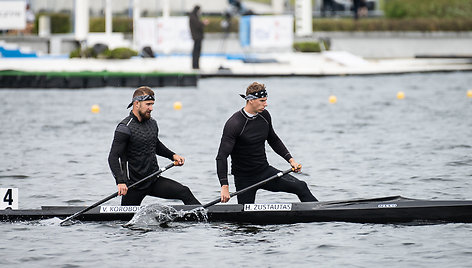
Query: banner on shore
(12,15)
(164,34)
(266,31)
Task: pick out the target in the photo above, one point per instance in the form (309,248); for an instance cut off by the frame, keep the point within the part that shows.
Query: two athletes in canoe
(136,143)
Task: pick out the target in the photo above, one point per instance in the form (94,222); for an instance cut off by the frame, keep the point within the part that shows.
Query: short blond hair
(254,87)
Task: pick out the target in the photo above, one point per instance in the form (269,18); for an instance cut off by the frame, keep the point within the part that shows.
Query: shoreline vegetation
(399,16)
(125,25)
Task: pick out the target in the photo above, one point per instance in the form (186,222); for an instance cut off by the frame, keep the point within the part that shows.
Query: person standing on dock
(328,5)
(133,155)
(30,18)
(196,29)
(244,137)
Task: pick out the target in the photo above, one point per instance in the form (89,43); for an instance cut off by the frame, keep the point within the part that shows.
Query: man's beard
(145,115)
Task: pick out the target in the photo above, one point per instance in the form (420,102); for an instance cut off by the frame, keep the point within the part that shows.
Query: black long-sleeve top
(133,151)
(196,26)
(244,139)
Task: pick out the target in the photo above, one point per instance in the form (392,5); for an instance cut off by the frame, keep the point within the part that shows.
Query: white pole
(278,6)
(108,18)
(81,19)
(166,9)
(136,14)
(303,18)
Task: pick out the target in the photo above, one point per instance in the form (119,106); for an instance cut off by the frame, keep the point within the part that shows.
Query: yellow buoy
(333,99)
(95,109)
(469,93)
(177,105)
(400,95)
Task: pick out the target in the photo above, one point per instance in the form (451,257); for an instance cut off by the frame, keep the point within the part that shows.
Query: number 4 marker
(9,198)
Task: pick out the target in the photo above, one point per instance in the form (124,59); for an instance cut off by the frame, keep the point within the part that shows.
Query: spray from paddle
(157,215)
(52,221)
(182,215)
(68,221)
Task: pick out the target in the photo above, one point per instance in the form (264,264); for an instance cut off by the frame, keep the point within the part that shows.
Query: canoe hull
(394,209)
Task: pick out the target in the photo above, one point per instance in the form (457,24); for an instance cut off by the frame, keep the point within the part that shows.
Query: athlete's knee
(303,185)
(299,186)
(184,191)
(187,196)
(304,193)
(127,201)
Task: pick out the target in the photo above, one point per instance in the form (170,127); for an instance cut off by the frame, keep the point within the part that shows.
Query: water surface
(368,144)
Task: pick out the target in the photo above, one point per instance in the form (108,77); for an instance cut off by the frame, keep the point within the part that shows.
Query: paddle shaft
(116,194)
(278,175)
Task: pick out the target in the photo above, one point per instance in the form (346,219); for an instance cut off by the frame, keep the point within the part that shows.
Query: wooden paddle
(278,175)
(116,194)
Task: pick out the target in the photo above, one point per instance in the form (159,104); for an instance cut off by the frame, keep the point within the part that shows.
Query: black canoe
(394,209)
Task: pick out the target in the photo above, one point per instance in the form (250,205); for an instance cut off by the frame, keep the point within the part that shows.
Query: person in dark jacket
(327,5)
(133,155)
(196,29)
(244,137)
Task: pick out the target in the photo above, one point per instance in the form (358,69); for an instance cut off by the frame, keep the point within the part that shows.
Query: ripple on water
(466,162)
(368,144)
(74,201)
(14,176)
(437,179)
(326,246)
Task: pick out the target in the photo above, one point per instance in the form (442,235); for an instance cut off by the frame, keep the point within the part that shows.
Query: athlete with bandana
(243,138)
(133,155)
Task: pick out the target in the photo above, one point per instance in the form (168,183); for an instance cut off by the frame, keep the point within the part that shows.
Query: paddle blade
(64,222)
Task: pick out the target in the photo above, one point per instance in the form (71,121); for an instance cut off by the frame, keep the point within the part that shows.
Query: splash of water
(160,215)
(51,221)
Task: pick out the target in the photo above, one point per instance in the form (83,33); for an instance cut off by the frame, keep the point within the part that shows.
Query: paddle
(278,175)
(116,194)
(171,217)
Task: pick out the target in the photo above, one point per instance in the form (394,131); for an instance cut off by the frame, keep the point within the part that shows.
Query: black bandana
(255,95)
(141,98)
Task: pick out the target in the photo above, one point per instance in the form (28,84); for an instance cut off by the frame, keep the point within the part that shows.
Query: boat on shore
(392,209)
